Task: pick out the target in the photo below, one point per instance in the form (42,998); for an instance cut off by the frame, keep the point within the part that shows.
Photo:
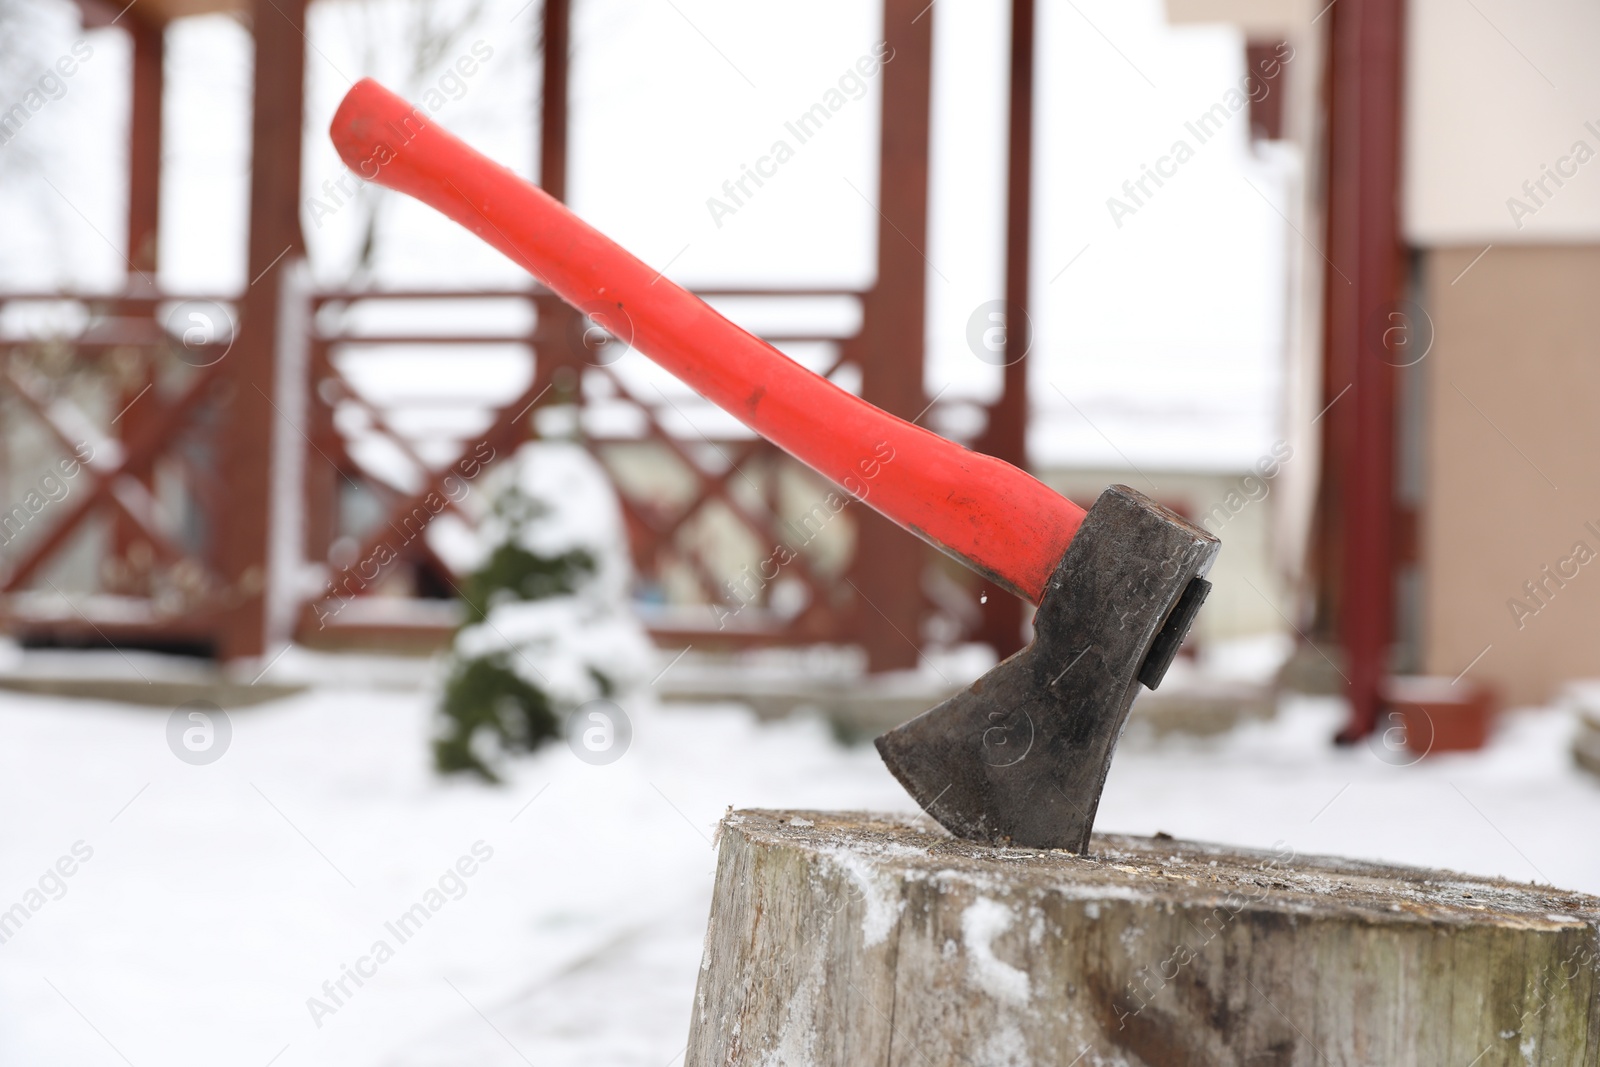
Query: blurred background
(338,557)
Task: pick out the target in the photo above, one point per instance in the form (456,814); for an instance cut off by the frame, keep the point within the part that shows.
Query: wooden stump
(852,939)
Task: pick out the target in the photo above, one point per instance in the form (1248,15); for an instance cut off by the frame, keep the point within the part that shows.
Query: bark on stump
(855,939)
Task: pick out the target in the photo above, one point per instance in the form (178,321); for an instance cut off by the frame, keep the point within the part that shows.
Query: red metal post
(1006,436)
(144,218)
(887,570)
(557,45)
(557,336)
(1364,281)
(1264,68)
(275,239)
(144,142)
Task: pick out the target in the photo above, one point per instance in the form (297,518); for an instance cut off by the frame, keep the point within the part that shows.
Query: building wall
(1251,16)
(1513,434)
(1502,159)
(1501,149)
(1496,90)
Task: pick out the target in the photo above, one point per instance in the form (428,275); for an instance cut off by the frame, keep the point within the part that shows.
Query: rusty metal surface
(1020,757)
(1364,281)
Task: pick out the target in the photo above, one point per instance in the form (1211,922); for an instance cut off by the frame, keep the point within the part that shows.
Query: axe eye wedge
(1170,637)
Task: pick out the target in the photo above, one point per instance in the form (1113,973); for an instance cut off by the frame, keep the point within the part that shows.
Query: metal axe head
(1020,756)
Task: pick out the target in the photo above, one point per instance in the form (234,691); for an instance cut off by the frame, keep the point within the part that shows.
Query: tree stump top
(1169,871)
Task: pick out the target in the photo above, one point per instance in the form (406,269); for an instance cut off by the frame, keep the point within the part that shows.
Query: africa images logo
(199,732)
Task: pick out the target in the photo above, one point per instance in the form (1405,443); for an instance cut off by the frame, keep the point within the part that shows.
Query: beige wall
(1513,480)
(1484,114)
(1254,17)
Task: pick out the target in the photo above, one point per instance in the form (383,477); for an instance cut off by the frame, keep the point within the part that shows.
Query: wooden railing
(705,502)
(728,544)
(119,395)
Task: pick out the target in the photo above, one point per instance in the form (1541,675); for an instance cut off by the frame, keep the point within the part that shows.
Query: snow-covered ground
(216,900)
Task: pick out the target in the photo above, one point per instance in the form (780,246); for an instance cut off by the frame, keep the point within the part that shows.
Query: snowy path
(218,899)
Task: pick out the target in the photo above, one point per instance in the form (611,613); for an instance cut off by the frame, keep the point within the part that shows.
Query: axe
(1018,758)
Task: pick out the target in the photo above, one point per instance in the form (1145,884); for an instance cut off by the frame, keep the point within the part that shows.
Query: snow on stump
(848,939)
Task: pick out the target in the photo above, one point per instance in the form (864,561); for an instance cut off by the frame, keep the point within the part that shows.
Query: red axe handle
(993,517)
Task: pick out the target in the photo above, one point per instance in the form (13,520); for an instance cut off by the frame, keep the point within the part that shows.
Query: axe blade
(1020,757)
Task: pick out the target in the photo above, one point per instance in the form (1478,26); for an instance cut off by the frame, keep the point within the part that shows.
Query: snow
(561,644)
(982,922)
(882,905)
(219,898)
(582,509)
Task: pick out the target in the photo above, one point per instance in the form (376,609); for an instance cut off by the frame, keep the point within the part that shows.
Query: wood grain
(854,939)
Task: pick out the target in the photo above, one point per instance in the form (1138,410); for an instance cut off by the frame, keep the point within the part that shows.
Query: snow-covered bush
(548,625)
